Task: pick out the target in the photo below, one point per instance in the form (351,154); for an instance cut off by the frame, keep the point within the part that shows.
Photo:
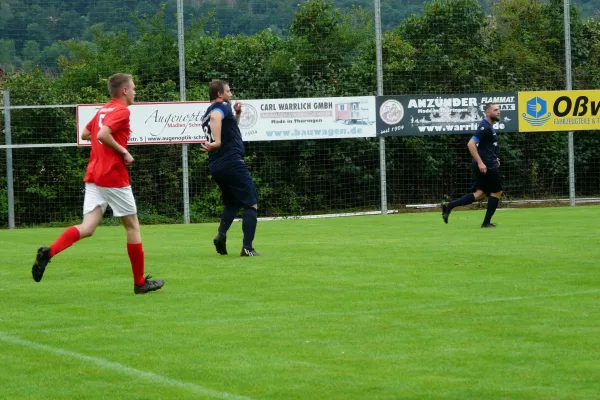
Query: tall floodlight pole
(383,179)
(567,24)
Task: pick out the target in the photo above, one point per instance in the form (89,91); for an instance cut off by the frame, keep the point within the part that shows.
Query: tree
(523,47)
(447,47)
(31,55)
(586,72)
(31,51)
(7,54)
(322,48)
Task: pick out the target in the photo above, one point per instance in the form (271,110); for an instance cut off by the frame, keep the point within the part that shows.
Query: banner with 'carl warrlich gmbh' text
(261,120)
(308,118)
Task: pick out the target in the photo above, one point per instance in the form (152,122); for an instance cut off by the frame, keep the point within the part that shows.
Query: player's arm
(216,124)
(87,131)
(105,136)
(497,157)
(86,134)
(237,107)
(472,146)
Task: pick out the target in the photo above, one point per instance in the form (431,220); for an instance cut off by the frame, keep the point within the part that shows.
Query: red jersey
(106,167)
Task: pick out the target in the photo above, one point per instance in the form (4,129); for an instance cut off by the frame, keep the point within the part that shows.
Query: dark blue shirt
(487,144)
(231,151)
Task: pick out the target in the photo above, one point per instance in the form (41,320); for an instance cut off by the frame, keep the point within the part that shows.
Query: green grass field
(380,307)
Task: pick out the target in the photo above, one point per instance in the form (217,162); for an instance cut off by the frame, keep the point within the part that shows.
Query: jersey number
(209,136)
(100,118)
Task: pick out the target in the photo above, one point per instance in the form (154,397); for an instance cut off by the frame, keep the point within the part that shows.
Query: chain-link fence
(56,53)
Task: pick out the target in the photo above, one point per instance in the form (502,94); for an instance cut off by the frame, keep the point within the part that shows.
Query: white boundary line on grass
(318,216)
(580,200)
(111,365)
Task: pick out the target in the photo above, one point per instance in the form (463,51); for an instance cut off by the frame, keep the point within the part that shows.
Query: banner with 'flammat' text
(442,114)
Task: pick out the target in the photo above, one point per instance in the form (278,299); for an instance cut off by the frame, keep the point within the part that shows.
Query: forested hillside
(32,32)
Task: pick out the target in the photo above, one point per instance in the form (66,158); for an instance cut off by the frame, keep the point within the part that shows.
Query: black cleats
(220,242)
(249,252)
(148,286)
(445,213)
(488,225)
(42,259)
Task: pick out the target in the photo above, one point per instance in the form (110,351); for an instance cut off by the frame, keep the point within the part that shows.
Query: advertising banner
(442,114)
(272,119)
(155,123)
(572,110)
(308,118)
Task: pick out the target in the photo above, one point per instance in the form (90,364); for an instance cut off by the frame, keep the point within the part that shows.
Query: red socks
(136,256)
(134,250)
(64,241)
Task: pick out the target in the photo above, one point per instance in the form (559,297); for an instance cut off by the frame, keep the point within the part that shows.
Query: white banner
(155,123)
(272,119)
(309,118)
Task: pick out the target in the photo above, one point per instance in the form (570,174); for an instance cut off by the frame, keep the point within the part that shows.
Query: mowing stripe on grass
(213,321)
(538,296)
(114,366)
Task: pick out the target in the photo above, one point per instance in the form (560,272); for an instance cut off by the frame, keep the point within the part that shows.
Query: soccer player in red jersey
(107,184)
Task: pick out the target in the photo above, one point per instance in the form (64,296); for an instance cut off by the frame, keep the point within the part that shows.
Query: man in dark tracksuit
(226,162)
(483,146)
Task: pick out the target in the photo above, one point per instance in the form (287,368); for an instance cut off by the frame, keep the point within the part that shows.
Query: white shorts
(120,200)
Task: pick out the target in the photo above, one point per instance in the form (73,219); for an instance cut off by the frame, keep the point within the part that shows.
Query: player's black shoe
(148,286)
(220,242)
(488,225)
(249,252)
(42,258)
(445,212)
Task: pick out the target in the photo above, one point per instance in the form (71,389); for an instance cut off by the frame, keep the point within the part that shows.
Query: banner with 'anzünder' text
(442,114)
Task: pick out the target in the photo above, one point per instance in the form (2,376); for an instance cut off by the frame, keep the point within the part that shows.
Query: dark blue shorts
(490,182)
(236,185)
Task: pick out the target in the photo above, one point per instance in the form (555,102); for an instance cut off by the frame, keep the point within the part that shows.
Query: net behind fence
(313,49)
(296,178)
(292,178)
(425,170)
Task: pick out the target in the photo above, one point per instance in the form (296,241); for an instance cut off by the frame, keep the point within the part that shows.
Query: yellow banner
(565,110)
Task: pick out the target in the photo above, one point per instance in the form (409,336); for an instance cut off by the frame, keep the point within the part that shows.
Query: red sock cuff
(134,247)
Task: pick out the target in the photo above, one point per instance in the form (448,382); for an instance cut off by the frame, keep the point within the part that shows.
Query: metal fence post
(9,164)
(567,27)
(378,55)
(184,147)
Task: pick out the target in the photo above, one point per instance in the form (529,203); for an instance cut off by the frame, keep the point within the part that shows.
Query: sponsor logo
(537,112)
(249,116)
(391,112)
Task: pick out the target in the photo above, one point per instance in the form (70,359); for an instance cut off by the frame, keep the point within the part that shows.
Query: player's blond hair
(118,82)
